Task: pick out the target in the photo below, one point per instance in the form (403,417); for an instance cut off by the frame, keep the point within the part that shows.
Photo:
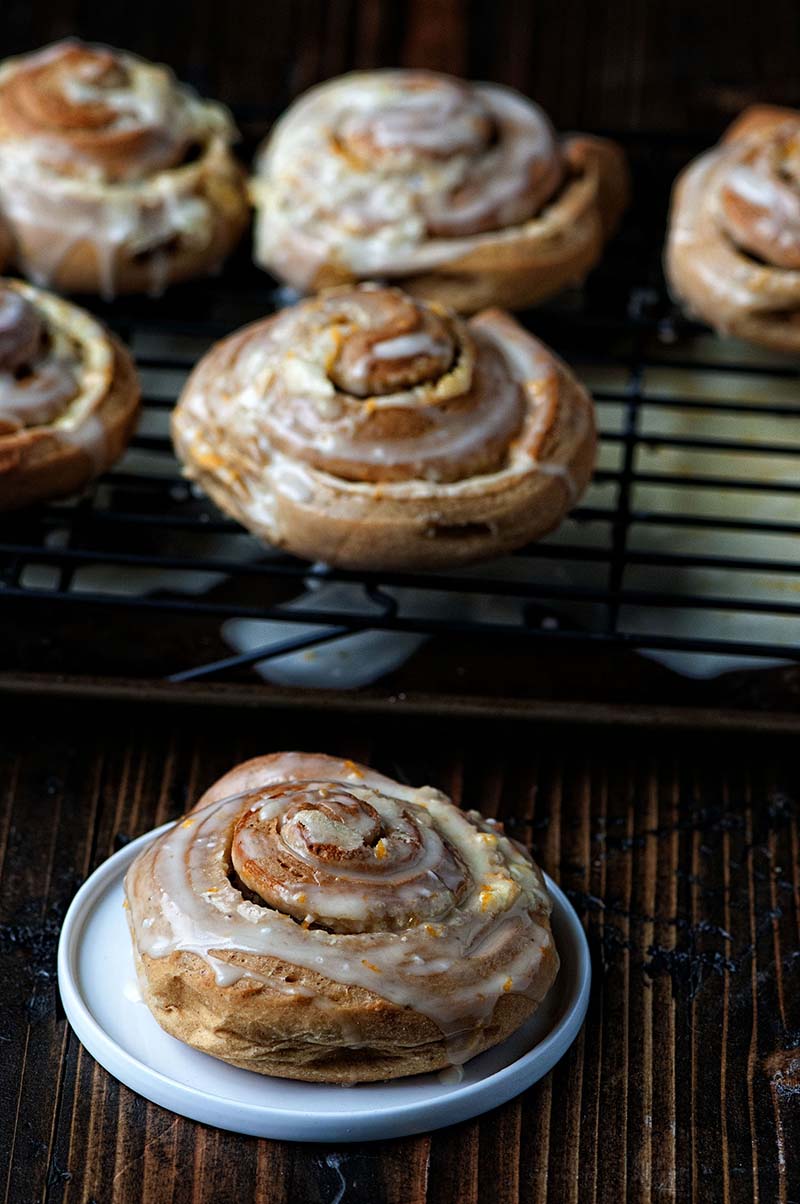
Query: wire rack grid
(684,547)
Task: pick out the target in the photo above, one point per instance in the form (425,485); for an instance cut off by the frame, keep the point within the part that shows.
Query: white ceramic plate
(103,1004)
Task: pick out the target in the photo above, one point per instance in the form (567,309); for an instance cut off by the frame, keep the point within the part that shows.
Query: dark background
(621,64)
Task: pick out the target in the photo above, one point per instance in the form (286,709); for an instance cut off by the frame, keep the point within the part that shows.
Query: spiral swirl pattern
(307,858)
(408,173)
(113,177)
(37,373)
(68,396)
(89,107)
(352,879)
(364,397)
(733,252)
(384,389)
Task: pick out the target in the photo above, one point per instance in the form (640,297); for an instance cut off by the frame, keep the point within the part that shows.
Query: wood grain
(680,852)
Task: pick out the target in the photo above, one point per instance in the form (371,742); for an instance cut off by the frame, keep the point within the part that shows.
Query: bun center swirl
(91,110)
(370,385)
(760,199)
(330,866)
(348,859)
(426,117)
(21,330)
(36,381)
(375,165)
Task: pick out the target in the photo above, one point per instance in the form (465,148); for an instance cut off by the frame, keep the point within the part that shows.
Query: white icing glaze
(131,992)
(39,398)
(437,184)
(47,186)
(451,434)
(407,345)
(452,969)
(776,198)
(288,399)
(755,187)
(699,236)
(68,381)
(215,435)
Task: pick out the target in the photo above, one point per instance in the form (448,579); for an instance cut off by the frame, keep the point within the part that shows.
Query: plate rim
(265,1120)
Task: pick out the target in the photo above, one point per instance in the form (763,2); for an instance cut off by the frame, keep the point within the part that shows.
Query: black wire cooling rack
(685,546)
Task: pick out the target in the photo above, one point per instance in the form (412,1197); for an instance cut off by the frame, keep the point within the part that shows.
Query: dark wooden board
(680,851)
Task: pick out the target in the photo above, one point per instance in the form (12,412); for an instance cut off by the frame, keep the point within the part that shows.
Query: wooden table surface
(680,852)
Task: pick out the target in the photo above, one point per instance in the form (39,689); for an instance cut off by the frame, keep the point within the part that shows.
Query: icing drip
(93,153)
(358,857)
(405,345)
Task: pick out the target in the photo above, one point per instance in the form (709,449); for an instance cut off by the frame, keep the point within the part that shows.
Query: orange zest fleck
(187,823)
(353,769)
(381,850)
(433,930)
(209,459)
(370,966)
(300,898)
(485,897)
(212,890)
(508,984)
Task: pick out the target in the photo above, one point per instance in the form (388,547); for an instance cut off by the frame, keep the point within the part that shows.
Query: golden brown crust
(377,517)
(53,459)
(6,243)
(545,256)
(360,1038)
(733,249)
(282,1015)
(113,177)
(564,199)
(758,120)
